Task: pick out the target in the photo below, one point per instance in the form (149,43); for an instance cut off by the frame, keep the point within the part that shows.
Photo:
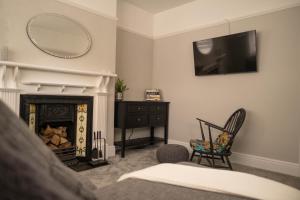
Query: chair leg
(222,158)
(199,159)
(192,156)
(208,160)
(213,161)
(228,162)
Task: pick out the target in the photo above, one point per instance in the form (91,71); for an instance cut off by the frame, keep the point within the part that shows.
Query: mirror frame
(89,38)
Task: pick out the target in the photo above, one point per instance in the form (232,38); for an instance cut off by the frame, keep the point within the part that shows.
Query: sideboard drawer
(157,120)
(136,108)
(134,121)
(158,108)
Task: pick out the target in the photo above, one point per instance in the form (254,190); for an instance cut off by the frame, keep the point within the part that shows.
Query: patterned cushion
(219,145)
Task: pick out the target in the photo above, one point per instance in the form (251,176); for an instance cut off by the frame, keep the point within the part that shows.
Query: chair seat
(204,146)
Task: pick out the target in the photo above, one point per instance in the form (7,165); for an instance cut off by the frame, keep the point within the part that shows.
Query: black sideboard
(138,114)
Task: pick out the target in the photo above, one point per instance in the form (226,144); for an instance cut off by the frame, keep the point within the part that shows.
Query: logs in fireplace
(55,138)
(64,124)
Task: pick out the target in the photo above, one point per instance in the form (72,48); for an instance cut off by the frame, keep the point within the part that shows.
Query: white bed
(216,180)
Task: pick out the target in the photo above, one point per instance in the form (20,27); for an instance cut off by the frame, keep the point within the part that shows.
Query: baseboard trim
(260,162)
(274,165)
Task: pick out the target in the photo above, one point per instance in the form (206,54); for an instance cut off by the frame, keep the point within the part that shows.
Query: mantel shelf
(52,69)
(58,84)
(61,85)
(13,78)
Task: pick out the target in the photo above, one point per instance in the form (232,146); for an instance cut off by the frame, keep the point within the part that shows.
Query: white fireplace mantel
(20,78)
(11,80)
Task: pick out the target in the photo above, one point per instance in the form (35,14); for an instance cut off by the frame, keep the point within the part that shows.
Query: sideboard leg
(151,135)
(166,134)
(123,142)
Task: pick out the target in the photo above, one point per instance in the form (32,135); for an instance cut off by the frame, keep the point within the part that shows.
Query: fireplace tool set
(99,150)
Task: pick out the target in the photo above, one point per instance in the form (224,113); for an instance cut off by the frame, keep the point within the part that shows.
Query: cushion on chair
(172,153)
(30,170)
(219,145)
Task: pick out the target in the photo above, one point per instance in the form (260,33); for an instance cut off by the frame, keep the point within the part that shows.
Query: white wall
(193,15)
(270,96)
(15,15)
(269,138)
(201,13)
(134,19)
(134,64)
(106,8)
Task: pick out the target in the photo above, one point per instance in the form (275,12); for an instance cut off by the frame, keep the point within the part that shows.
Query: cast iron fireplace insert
(64,123)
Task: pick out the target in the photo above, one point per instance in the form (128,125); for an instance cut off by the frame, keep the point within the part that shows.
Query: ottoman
(172,153)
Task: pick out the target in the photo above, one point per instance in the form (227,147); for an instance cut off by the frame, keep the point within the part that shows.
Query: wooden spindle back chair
(219,148)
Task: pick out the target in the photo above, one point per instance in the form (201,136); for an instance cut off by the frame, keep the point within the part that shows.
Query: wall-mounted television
(235,53)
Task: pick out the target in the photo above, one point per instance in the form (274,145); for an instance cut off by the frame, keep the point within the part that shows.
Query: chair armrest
(211,124)
(214,126)
(201,120)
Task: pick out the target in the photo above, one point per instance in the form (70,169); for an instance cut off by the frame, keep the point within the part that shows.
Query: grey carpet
(137,159)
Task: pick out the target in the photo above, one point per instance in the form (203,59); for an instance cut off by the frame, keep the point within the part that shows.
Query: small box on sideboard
(152,95)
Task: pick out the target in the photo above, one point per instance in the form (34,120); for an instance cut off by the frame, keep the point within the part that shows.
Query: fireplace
(64,124)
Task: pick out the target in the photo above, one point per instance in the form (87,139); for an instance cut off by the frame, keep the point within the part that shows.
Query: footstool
(172,153)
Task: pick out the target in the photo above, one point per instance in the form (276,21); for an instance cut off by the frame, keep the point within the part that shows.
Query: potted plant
(120,89)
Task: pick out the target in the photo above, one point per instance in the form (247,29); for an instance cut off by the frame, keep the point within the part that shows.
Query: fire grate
(67,155)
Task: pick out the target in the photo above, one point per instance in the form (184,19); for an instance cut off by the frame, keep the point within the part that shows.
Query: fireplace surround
(18,79)
(74,114)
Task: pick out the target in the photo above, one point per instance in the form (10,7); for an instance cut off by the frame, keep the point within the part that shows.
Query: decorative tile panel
(81,130)
(32,111)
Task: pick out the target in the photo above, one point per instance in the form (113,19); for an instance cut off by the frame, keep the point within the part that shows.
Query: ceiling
(156,6)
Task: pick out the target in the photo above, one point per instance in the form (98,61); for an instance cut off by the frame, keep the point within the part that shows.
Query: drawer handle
(138,119)
(139,108)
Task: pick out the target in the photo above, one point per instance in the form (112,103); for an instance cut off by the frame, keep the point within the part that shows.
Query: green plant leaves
(120,86)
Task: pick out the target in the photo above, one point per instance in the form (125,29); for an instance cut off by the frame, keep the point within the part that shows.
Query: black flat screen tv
(234,53)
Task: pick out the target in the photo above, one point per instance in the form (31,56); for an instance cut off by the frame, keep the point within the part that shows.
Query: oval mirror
(59,36)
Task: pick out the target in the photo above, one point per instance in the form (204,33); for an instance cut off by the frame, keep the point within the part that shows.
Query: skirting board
(279,166)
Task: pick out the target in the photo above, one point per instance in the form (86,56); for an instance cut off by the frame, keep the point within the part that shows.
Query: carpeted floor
(141,158)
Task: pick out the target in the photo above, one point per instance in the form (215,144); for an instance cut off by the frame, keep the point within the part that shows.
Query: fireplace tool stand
(99,150)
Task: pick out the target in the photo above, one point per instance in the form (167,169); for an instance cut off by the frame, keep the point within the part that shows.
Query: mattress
(173,181)
(137,189)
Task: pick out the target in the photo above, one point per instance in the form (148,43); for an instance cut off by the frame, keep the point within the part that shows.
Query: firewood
(45,139)
(55,140)
(61,131)
(48,132)
(63,140)
(52,147)
(65,145)
(64,132)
